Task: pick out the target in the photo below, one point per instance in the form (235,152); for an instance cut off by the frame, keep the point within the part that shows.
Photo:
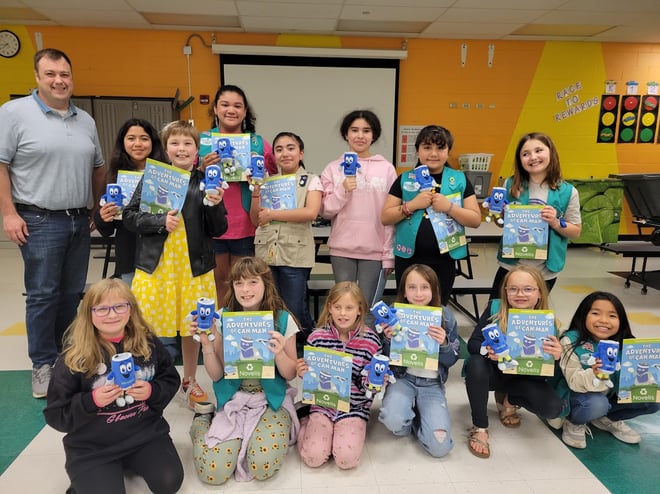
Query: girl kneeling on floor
(326,431)
(522,288)
(590,395)
(256,419)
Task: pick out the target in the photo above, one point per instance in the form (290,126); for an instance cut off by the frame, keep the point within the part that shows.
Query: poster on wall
(407,154)
(609,109)
(648,119)
(629,119)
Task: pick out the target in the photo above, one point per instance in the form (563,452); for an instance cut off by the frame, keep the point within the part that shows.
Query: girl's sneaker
(575,434)
(619,429)
(192,392)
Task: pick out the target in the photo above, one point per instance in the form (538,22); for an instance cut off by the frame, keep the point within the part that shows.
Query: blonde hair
(336,292)
(542,303)
(85,349)
(179,127)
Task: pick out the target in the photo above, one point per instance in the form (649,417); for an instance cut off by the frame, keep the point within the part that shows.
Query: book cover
(234,152)
(525,234)
(640,371)
(412,346)
(164,187)
(246,350)
(449,232)
(129,180)
(525,333)
(279,192)
(327,383)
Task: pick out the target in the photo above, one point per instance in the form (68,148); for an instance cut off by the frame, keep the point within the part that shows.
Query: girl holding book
(174,257)
(589,395)
(406,207)
(136,141)
(360,246)
(416,402)
(284,237)
(232,114)
(537,180)
(327,432)
(522,288)
(110,429)
(256,419)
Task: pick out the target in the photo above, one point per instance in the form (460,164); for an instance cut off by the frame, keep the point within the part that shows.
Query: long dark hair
(249,122)
(120,160)
(296,138)
(579,321)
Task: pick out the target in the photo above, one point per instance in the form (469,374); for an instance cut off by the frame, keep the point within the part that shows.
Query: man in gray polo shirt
(51,171)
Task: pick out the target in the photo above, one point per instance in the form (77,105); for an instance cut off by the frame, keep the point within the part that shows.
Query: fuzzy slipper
(474,440)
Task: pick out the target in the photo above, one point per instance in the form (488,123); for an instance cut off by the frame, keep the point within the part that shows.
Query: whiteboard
(310,97)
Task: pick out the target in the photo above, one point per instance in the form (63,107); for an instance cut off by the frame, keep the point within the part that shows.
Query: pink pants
(319,437)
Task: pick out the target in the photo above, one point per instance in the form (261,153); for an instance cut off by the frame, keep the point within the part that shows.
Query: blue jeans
(418,405)
(291,283)
(586,407)
(56,257)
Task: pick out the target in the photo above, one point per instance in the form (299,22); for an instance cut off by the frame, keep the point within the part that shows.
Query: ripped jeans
(418,405)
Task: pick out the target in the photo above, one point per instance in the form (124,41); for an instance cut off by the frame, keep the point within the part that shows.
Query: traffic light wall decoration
(648,119)
(609,108)
(628,119)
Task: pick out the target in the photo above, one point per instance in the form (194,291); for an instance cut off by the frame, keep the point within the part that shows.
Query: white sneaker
(575,434)
(619,429)
(556,423)
(40,380)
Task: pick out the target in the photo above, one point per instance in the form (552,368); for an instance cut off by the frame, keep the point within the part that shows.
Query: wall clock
(10,45)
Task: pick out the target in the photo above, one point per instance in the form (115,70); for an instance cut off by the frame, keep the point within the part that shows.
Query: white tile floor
(527,460)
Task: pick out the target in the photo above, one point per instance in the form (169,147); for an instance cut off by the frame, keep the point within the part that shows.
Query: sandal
(474,440)
(508,414)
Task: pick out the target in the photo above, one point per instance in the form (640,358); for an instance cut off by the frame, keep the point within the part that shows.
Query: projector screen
(310,96)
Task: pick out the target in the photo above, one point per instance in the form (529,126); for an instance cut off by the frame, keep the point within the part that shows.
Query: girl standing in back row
(537,180)
(360,245)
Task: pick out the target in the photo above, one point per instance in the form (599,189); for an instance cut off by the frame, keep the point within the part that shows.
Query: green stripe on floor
(624,468)
(22,416)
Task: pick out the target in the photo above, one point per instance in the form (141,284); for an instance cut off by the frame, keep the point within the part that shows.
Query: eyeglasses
(104,310)
(515,290)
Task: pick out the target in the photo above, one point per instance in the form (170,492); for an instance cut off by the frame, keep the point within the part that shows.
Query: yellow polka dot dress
(170,293)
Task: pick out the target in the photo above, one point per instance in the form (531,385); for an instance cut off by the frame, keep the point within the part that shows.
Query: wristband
(257,196)
(451,206)
(207,350)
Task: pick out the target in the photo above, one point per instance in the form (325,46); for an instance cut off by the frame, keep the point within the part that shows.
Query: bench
(319,285)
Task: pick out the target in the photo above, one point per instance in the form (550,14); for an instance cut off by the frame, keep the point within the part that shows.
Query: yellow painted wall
(493,105)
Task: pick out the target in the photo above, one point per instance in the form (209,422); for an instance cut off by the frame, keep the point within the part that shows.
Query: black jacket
(202,223)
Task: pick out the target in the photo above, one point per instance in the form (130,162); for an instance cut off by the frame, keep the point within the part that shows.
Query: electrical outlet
(453,105)
(466,106)
(187,50)
(479,106)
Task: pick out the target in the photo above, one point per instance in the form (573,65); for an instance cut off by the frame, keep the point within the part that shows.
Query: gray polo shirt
(51,157)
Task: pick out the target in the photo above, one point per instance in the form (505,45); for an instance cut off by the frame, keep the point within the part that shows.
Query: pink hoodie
(357,231)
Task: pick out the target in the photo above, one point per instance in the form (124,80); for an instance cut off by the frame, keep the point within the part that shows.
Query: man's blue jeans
(56,257)
(292,285)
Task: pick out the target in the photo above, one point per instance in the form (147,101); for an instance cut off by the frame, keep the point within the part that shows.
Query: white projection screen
(310,96)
